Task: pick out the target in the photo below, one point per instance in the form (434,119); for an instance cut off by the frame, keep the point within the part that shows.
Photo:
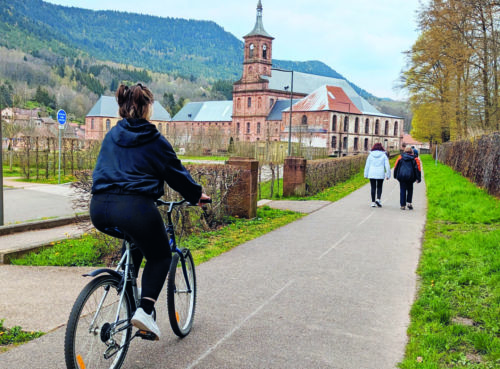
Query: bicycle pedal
(145,335)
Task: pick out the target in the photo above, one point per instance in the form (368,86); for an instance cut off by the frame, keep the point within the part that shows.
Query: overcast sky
(363,40)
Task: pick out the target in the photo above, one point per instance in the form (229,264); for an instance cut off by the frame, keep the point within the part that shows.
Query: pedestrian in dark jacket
(134,163)
(407,171)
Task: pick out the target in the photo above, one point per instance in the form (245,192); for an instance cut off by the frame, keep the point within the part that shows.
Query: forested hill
(187,48)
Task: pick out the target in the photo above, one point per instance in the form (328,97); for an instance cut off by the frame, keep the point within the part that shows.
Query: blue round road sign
(61,116)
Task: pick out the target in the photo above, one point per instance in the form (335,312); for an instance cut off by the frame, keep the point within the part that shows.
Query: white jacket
(377,165)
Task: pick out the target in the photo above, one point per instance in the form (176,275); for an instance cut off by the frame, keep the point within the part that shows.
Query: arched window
(367,125)
(237,127)
(356,139)
(271,103)
(356,125)
(346,124)
(249,102)
(258,127)
(377,128)
(334,123)
(259,102)
(108,124)
(264,51)
(92,123)
(366,144)
(334,142)
(304,119)
(395,128)
(386,128)
(248,127)
(250,50)
(159,127)
(238,103)
(345,143)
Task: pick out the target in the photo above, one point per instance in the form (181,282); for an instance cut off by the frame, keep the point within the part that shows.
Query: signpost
(61,118)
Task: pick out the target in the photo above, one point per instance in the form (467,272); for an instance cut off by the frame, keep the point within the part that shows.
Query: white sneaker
(145,322)
(379,204)
(373,205)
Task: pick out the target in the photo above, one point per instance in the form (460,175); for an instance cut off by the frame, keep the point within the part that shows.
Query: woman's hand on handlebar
(204,199)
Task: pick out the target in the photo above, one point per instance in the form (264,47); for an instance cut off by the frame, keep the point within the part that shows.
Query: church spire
(258,29)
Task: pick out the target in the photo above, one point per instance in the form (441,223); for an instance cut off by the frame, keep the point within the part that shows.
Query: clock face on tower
(251,50)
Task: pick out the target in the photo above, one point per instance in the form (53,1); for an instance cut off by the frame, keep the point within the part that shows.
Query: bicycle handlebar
(173,204)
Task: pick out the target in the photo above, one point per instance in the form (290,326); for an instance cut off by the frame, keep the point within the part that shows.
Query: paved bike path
(331,290)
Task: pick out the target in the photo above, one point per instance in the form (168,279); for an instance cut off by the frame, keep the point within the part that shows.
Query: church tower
(258,51)
(251,99)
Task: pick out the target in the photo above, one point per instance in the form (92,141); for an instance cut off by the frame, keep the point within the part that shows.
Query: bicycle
(99,331)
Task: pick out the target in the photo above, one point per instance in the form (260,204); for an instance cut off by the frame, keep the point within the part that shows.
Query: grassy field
(455,321)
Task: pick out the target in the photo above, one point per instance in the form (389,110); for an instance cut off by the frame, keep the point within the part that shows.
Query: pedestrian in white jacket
(376,169)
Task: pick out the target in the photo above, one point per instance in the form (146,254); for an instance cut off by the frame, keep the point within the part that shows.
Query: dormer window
(264,51)
(251,48)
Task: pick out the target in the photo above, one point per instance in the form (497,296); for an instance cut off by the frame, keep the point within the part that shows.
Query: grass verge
(86,251)
(455,321)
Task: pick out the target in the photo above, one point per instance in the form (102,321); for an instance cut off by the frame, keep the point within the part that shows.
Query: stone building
(326,112)
(104,115)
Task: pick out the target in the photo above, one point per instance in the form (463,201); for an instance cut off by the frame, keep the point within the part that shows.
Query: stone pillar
(294,176)
(242,198)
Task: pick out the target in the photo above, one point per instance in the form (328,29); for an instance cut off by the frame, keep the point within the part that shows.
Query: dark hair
(134,101)
(378,147)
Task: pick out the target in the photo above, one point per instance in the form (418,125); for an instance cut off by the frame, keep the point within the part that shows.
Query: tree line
(453,70)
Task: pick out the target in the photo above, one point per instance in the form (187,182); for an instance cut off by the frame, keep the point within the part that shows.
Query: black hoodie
(136,159)
(406,169)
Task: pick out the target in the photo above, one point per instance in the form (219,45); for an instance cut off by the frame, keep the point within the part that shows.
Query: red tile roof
(330,98)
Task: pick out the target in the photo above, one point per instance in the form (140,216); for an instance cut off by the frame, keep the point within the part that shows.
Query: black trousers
(138,217)
(405,193)
(376,186)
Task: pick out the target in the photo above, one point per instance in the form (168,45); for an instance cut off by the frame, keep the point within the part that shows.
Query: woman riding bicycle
(134,162)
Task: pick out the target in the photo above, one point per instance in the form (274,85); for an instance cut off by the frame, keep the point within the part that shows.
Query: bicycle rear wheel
(181,302)
(93,340)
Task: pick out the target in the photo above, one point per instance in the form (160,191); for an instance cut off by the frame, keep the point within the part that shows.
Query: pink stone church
(326,112)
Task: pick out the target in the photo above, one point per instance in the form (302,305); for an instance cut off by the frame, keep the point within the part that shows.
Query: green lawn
(455,321)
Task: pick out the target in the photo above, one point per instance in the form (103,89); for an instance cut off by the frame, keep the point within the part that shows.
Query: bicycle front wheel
(181,300)
(95,339)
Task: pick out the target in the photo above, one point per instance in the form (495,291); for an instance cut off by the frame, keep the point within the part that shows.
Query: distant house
(410,141)
(104,115)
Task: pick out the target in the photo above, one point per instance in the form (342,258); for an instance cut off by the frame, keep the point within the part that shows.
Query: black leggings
(376,185)
(138,217)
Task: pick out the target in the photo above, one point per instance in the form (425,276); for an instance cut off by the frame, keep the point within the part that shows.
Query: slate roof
(329,98)
(306,83)
(206,111)
(107,106)
(258,29)
(278,108)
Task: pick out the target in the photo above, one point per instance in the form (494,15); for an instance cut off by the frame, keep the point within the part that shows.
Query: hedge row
(325,173)
(477,159)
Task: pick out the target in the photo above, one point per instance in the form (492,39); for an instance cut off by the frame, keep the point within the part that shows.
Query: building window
(334,142)
(356,125)
(395,128)
(259,102)
(345,143)
(108,124)
(386,128)
(356,143)
(248,127)
(249,102)
(92,123)
(159,127)
(377,124)
(264,51)
(271,103)
(367,125)
(250,50)
(238,127)
(258,127)
(366,144)
(304,119)
(346,124)
(238,103)
(334,123)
